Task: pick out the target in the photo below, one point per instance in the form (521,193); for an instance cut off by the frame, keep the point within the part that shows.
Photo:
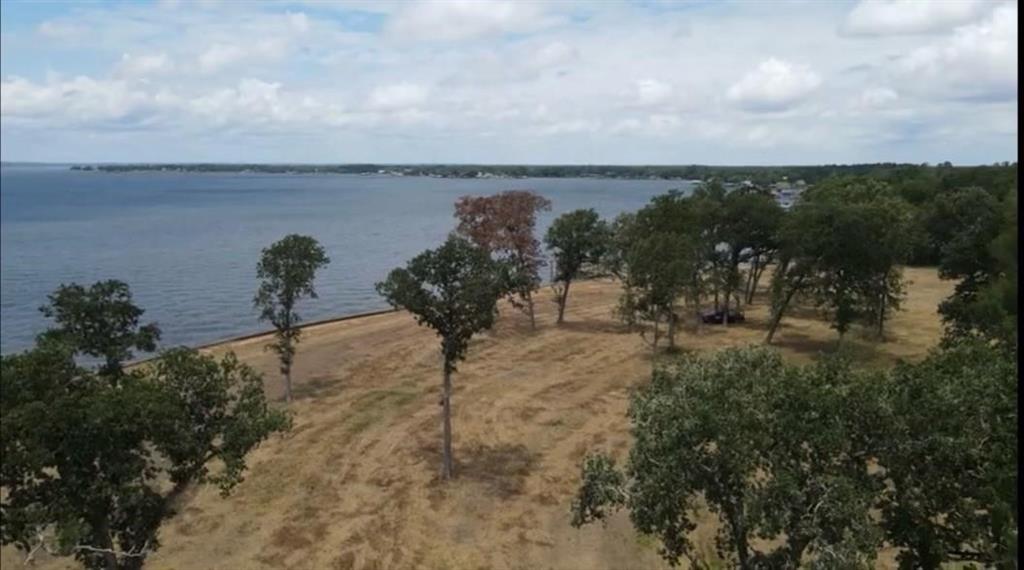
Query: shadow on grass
(501,469)
(805,344)
(317,387)
(595,326)
(861,351)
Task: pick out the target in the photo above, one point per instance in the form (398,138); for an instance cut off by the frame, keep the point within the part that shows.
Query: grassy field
(354,485)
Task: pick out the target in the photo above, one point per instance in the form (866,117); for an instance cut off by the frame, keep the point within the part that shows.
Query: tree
(578,240)
(87,464)
(888,221)
(454,290)
(977,244)
(287,269)
(753,221)
(843,255)
(102,322)
(653,255)
(657,276)
(767,447)
(503,225)
(950,458)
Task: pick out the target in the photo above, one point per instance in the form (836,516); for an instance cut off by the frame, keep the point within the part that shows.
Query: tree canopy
(454,290)
(91,468)
(577,240)
(503,225)
(286,271)
(100,321)
(802,457)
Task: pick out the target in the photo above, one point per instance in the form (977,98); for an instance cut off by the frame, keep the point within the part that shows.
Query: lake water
(187,244)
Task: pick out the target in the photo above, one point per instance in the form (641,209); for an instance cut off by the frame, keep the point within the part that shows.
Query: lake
(188,243)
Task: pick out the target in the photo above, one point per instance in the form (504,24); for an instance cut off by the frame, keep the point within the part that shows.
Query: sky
(509,82)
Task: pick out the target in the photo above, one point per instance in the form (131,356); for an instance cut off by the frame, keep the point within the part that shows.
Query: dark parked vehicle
(715,317)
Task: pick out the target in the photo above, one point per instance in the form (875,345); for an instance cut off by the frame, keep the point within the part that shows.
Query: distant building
(787,194)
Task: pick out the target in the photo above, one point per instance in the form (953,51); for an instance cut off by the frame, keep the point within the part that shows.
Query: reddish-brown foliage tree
(503,224)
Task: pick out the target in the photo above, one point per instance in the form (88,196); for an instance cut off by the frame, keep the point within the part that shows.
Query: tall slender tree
(454,290)
(286,270)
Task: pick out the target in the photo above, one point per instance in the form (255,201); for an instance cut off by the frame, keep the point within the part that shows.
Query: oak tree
(454,290)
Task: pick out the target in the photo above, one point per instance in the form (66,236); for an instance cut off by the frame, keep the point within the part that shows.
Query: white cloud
(553,54)
(978,60)
(775,85)
(81,100)
(874,97)
(142,65)
(299,21)
(219,56)
(59,30)
(452,20)
(397,96)
(892,17)
(651,92)
(524,81)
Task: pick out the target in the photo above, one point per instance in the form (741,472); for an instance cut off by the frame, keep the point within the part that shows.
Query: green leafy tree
(843,255)
(950,458)
(286,271)
(976,237)
(92,470)
(578,241)
(454,290)
(765,446)
(100,321)
(754,233)
(652,254)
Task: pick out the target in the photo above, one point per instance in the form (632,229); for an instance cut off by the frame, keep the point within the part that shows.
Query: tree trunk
(446,403)
(529,309)
(881,318)
(748,288)
(753,285)
(796,548)
(725,312)
(562,301)
(101,536)
(777,317)
(671,329)
(700,317)
(287,369)
(654,345)
(739,535)
(752,278)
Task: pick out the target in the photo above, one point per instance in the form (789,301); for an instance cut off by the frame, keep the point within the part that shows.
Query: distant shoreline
(691,172)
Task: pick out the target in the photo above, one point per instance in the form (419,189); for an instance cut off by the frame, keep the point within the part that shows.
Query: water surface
(187,243)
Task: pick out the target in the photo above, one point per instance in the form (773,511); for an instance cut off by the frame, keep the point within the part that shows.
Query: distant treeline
(889,171)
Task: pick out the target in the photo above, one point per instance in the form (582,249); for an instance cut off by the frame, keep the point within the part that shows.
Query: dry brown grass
(354,485)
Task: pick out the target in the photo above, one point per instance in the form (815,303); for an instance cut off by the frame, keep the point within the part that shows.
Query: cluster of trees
(821,464)
(712,245)
(94,460)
